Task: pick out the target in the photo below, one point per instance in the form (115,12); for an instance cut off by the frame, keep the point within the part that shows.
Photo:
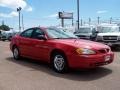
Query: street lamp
(78,20)
(18,10)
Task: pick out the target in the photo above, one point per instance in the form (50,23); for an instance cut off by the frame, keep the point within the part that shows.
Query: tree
(4,27)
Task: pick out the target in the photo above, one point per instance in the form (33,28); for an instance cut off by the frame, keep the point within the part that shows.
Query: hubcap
(15,53)
(59,62)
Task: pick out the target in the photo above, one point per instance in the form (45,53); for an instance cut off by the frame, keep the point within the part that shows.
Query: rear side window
(27,33)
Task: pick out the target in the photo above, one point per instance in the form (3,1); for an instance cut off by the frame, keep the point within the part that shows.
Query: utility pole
(84,23)
(111,20)
(98,20)
(81,22)
(62,22)
(89,21)
(3,22)
(22,22)
(19,10)
(78,19)
(72,21)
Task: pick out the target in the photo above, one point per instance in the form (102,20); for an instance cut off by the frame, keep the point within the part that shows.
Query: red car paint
(41,50)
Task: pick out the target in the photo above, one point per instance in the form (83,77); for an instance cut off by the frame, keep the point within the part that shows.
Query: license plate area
(107,58)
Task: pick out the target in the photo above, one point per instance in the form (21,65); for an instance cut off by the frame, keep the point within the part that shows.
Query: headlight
(85,51)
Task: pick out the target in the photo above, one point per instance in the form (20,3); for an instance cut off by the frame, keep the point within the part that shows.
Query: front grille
(104,51)
(110,37)
(102,63)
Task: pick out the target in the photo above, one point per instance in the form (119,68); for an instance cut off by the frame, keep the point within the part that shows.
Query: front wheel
(59,63)
(16,53)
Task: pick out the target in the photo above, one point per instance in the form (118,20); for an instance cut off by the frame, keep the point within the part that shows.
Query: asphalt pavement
(27,74)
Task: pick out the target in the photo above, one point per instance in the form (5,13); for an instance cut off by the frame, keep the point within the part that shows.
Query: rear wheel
(59,63)
(16,53)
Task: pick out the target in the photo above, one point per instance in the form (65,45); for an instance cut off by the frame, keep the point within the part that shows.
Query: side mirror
(75,32)
(96,31)
(41,37)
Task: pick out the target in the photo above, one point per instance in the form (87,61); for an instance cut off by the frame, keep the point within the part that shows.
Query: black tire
(16,53)
(59,63)
(3,39)
(9,38)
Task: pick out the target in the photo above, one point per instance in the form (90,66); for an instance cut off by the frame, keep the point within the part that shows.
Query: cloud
(29,9)
(102,11)
(13,4)
(4,15)
(52,16)
(9,15)
(13,14)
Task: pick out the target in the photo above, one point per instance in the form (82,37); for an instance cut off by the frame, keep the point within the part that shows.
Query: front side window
(37,32)
(27,33)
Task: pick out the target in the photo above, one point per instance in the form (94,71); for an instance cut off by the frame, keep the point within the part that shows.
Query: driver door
(40,49)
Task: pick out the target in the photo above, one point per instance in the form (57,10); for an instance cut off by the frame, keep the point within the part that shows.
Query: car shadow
(115,49)
(76,75)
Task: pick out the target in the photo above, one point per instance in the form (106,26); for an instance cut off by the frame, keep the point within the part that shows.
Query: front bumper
(89,61)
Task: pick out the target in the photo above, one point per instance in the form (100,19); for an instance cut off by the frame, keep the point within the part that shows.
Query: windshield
(108,29)
(84,30)
(59,33)
(3,33)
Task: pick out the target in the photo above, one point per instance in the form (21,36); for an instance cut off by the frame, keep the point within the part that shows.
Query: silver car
(86,32)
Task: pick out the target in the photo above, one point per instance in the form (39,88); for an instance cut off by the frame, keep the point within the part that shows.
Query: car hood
(109,34)
(80,43)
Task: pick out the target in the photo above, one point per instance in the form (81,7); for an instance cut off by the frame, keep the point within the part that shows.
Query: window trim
(26,31)
(35,29)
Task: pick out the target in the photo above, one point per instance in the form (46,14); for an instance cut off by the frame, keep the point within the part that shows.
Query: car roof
(43,28)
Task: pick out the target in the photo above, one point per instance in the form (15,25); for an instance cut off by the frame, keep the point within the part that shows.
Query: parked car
(7,35)
(108,34)
(62,50)
(86,32)
(0,34)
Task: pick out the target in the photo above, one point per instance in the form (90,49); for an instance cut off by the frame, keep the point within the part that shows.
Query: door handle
(41,46)
(37,45)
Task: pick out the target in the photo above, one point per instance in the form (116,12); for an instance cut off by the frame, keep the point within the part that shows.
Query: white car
(7,35)
(108,34)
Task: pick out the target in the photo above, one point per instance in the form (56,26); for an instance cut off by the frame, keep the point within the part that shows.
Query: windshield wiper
(57,38)
(72,38)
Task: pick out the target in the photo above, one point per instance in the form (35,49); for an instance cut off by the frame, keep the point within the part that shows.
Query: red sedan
(60,48)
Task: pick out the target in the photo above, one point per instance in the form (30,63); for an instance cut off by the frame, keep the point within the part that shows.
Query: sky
(45,12)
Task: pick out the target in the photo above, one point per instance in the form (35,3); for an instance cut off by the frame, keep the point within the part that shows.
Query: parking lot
(28,75)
